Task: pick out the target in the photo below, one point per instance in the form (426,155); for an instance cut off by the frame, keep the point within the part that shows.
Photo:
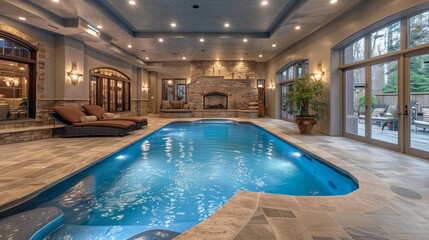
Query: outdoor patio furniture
(76,126)
(102,115)
(424,123)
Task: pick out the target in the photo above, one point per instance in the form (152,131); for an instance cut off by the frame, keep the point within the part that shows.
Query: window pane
(419,29)
(290,73)
(386,40)
(355,52)
(299,70)
(384,101)
(355,101)
(284,75)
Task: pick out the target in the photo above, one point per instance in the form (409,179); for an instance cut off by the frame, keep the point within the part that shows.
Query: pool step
(34,224)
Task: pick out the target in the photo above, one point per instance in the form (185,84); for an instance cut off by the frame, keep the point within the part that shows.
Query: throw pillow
(91,118)
(175,104)
(108,115)
(165,104)
(185,106)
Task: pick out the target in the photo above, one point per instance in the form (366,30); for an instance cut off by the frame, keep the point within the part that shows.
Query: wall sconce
(318,75)
(73,74)
(271,86)
(145,88)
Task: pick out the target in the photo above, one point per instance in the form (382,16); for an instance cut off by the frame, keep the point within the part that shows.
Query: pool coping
(228,221)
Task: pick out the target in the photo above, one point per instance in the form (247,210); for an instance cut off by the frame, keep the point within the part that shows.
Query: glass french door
(417,104)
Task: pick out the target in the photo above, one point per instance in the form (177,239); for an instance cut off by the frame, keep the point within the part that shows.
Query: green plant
(362,101)
(307,94)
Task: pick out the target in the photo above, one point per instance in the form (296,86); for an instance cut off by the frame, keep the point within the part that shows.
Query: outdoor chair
(102,115)
(77,124)
(424,123)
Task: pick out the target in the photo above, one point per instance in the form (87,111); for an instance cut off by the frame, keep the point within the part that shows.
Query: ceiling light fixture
(260,55)
(202,40)
(217,59)
(161,40)
(22,18)
(130,46)
(132,2)
(241,59)
(274,45)
(147,58)
(333,1)
(264,3)
(55,1)
(297,27)
(173,24)
(184,58)
(99,27)
(226,25)
(21,68)
(245,40)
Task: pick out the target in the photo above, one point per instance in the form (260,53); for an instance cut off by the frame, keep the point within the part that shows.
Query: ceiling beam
(112,14)
(285,15)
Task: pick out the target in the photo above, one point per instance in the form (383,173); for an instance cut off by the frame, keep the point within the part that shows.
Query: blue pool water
(182,173)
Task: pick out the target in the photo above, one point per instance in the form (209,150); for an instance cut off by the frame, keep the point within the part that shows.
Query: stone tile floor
(391,203)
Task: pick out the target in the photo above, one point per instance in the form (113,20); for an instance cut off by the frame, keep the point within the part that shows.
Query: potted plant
(307,94)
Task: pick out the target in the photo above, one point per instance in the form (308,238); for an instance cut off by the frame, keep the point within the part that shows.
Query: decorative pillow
(69,113)
(175,104)
(185,106)
(108,115)
(94,110)
(91,118)
(165,104)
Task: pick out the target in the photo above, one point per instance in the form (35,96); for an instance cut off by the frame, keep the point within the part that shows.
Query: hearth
(215,100)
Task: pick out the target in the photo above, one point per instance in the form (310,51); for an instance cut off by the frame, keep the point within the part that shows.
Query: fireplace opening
(215,100)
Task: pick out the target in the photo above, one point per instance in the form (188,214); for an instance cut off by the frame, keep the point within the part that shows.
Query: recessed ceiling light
(22,18)
(184,58)
(55,1)
(21,68)
(260,55)
(161,40)
(245,40)
(99,27)
(297,27)
(226,25)
(202,40)
(147,58)
(217,59)
(333,1)
(130,46)
(264,3)
(241,59)
(132,2)
(173,24)
(274,45)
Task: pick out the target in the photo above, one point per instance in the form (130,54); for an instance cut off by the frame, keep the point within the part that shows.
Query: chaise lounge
(102,115)
(80,125)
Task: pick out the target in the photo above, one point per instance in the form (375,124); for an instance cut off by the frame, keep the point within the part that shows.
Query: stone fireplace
(215,100)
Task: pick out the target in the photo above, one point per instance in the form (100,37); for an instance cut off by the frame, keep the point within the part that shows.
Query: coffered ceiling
(132,32)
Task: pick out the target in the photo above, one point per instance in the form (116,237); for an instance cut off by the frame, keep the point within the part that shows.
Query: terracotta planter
(305,124)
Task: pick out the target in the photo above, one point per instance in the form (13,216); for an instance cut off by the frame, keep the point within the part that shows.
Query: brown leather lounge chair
(102,115)
(80,125)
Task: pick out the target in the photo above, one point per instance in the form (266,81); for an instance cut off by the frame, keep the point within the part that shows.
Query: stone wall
(239,91)
(226,69)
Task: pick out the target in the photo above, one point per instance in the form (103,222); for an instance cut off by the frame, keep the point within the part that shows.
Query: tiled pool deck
(391,203)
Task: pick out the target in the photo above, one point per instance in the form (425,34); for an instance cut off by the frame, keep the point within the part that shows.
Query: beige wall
(318,48)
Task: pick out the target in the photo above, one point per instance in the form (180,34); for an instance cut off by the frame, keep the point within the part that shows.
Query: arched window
(17,78)
(288,74)
(110,89)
